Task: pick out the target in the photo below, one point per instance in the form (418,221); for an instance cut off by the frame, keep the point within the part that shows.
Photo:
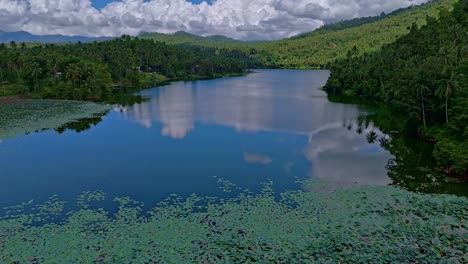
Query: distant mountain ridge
(26,37)
(182,37)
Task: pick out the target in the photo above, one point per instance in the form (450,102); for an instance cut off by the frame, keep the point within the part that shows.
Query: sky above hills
(240,19)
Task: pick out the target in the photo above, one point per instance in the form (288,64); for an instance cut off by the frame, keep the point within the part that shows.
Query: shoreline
(127,91)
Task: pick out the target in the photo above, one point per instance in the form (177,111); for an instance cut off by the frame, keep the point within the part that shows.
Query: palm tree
(421,90)
(447,88)
(73,73)
(35,70)
(371,137)
(2,81)
(35,74)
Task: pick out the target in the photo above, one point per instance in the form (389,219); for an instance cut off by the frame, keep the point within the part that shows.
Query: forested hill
(89,71)
(324,46)
(424,75)
(215,45)
(317,48)
(356,22)
(185,38)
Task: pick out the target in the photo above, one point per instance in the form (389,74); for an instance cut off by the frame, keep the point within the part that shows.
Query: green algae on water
(22,116)
(362,225)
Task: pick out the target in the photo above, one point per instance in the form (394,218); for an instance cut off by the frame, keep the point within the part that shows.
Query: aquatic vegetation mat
(362,225)
(22,116)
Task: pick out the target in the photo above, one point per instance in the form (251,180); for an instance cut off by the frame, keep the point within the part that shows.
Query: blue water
(271,125)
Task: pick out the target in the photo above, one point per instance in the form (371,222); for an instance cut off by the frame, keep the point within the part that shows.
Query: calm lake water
(272,125)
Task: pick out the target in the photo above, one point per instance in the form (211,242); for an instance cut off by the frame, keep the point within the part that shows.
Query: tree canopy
(423,74)
(89,71)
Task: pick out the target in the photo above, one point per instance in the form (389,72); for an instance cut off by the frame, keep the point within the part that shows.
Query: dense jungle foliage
(320,47)
(423,74)
(91,71)
(182,37)
(247,52)
(356,225)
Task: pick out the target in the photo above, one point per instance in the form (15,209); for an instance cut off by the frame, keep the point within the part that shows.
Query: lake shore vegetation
(423,74)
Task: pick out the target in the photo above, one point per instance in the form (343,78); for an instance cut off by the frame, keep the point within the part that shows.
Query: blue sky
(101,3)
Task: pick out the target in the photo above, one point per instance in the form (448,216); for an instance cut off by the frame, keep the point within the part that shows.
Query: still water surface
(271,125)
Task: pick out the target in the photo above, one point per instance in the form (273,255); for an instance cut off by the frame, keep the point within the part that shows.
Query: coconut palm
(421,90)
(73,74)
(446,89)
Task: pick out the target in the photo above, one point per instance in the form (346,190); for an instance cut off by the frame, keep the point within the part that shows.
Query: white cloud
(242,19)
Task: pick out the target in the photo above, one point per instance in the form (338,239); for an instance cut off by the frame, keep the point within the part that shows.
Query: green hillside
(423,74)
(216,45)
(181,37)
(324,46)
(355,22)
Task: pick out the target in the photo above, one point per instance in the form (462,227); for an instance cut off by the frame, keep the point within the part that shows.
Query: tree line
(423,74)
(90,71)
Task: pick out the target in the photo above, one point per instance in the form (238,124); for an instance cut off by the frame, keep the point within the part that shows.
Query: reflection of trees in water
(81,125)
(371,137)
(341,158)
(126,99)
(119,98)
(413,166)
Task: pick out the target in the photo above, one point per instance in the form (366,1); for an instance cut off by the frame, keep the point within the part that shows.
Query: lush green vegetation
(413,163)
(27,116)
(423,74)
(356,22)
(90,71)
(321,47)
(354,225)
(215,46)
(318,48)
(182,37)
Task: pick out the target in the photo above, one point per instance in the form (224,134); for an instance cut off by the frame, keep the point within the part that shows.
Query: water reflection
(250,104)
(81,125)
(343,159)
(257,159)
(412,166)
(270,101)
(174,107)
(273,125)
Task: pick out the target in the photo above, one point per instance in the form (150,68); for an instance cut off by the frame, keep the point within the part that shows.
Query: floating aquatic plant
(362,224)
(26,115)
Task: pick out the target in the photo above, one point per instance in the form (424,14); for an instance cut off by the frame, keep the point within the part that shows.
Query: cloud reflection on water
(342,158)
(272,101)
(257,159)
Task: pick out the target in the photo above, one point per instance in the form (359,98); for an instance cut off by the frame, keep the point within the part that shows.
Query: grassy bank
(364,225)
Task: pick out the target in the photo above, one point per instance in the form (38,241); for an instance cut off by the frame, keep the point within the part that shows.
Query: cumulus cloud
(241,19)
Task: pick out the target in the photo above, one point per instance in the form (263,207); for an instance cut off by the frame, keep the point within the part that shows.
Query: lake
(186,137)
